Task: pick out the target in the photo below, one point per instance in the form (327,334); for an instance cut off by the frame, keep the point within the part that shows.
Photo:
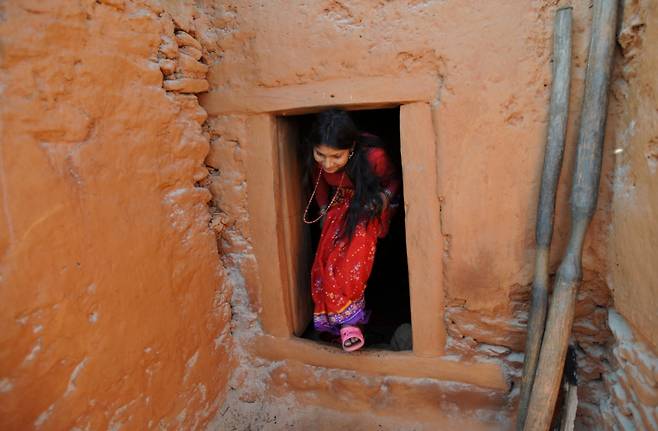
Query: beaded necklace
(324,211)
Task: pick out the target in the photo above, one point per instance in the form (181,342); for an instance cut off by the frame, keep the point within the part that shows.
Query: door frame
(417,98)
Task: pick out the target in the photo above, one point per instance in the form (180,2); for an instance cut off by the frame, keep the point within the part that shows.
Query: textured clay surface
(130,288)
(632,385)
(114,312)
(491,63)
(629,399)
(634,239)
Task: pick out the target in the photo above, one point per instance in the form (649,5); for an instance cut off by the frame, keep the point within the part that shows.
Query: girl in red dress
(355,186)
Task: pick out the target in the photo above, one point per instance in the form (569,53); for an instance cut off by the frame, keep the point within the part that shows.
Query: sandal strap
(348,333)
(351,332)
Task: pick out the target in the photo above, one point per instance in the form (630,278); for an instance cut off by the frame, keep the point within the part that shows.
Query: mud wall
(632,361)
(117,276)
(634,231)
(491,61)
(632,400)
(114,311)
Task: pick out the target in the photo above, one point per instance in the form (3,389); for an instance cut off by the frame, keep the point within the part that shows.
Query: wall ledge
(379,91)
(380,362)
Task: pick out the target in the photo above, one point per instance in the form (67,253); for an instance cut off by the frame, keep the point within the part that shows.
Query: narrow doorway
(387,294)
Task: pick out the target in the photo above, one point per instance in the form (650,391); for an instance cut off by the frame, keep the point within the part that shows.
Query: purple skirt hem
(361,317)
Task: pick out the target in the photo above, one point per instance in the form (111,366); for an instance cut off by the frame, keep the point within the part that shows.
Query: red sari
(342,266)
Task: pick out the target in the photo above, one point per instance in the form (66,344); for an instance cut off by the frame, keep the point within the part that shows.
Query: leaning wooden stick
(557,127)
(584,194)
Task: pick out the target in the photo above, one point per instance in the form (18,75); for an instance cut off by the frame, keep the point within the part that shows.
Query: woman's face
(331,159)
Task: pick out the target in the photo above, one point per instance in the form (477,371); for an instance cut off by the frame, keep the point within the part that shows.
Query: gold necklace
(324,211)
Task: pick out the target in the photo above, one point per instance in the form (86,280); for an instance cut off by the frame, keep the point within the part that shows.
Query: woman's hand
(385,200)
(383,204)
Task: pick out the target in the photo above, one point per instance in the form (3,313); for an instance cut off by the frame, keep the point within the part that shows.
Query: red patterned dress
(342,266)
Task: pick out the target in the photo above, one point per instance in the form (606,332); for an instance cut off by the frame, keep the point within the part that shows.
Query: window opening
(387,293)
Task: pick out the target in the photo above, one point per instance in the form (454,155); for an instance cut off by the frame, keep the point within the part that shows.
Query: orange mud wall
(631,380)
(113,307)
(634,239)
(491,64)
(130,288)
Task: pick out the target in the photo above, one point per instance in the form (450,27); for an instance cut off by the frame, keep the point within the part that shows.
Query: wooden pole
(557,127)
(570,379)
(584,195)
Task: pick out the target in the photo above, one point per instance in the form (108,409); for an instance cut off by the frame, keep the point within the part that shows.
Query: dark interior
(387,294)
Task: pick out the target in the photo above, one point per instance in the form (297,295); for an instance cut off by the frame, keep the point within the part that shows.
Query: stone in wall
(227,184)
(632,383)
(180,63)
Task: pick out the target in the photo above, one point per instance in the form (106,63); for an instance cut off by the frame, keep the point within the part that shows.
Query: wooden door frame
(422,212)
(418,148)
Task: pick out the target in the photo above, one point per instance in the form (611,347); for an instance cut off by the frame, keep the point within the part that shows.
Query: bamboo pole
(584,194)
(557,127)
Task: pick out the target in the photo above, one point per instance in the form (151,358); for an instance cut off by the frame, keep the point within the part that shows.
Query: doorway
(387,294)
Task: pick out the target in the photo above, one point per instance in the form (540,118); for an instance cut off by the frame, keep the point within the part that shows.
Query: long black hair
(334,128)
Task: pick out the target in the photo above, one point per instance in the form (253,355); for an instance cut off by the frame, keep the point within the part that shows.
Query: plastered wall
(130,290)
(634,230)
(113,307)
(491,63)
(632,374)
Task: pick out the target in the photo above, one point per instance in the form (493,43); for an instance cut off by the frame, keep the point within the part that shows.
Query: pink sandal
(348,332)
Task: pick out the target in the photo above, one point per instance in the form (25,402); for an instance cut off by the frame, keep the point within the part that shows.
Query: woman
(355,186)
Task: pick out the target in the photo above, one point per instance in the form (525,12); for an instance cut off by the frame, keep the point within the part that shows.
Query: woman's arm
(384,169)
